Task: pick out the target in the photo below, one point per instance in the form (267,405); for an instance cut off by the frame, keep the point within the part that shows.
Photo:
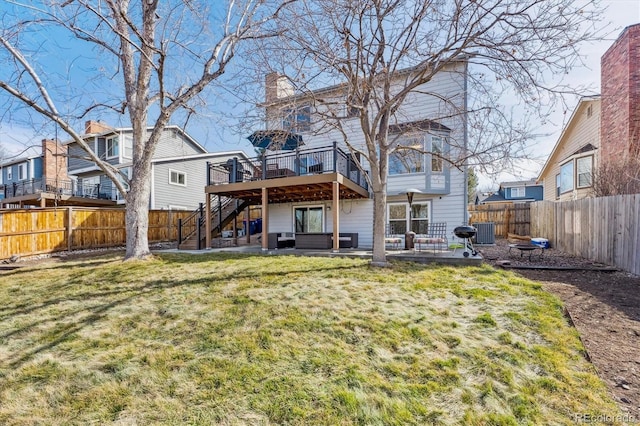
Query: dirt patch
(604,306)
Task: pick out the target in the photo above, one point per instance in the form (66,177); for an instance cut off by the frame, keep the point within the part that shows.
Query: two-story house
(40,180)
(604,130)
(320,187)
(178,171)
(523,191)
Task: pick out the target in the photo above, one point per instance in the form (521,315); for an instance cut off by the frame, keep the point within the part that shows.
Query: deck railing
(305,162)
(53,186)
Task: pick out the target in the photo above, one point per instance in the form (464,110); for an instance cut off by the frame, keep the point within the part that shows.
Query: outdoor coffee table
(526,248)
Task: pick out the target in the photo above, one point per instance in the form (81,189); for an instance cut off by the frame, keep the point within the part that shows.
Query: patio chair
(436,237)
(393,240)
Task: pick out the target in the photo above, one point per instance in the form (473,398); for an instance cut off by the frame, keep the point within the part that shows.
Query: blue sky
(210,130)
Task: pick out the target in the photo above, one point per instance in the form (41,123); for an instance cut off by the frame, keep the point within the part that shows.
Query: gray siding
(74,163)
(189,196)
(173,143)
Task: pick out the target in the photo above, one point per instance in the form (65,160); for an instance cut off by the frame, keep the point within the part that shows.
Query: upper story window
(297,119)
(351,110)
(22,171)
(437,150)
(566,177)
(410,155)
(558,186)
(113,147)
(128,146)
(9,173)
(584,167)
(177,178)
(517,192)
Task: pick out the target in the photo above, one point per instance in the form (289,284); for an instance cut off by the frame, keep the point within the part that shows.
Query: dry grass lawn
(258,340)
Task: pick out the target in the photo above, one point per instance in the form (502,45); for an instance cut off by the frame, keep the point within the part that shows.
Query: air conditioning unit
(486,233)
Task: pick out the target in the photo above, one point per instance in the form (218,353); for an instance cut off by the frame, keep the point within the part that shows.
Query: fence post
(179,231)
(69,229)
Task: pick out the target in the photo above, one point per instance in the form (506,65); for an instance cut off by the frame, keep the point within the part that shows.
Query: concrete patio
(449,257)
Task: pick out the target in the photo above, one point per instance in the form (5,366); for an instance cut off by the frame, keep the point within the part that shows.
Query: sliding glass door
(309,219)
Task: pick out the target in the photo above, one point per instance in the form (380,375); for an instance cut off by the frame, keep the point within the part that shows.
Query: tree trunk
(379,257)
(137,215)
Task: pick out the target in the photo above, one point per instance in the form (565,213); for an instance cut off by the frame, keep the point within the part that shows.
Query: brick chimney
(54,160)
(277,86)
(620,94)
(93,127)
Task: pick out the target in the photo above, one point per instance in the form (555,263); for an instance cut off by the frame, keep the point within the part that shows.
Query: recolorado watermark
(591,418)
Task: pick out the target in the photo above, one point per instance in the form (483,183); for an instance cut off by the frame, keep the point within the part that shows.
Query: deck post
(335,156)
(207,223)
(336,216)
(265,219)
(248,229)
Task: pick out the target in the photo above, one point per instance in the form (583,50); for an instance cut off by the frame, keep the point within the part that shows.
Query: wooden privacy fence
(508,218)
(604,229)
(36,231)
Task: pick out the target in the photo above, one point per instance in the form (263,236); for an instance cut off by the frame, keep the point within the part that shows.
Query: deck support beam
(265,219)
(336,216)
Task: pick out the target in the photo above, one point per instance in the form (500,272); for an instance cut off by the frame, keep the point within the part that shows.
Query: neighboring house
(603,129)
(567,173)
(178,167)
(525,191)
(318,188)
(39,180)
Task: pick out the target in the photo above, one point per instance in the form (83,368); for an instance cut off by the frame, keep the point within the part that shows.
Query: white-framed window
(297,119)
(584,167)
(308,219)
(437,150)
(112,149)
(351,111)
(517,192)
(398,217)
(566,177)
(1,175)
(408,157)
(177,178)
(22,171)
(558,185)
(9,173)
(128,146)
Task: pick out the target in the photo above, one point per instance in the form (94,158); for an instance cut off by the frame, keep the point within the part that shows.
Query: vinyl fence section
(36,231)
(508,218)
(604,229)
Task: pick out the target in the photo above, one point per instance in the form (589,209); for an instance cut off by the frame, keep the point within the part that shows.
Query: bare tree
(512,47)
(617,177)
(152,61)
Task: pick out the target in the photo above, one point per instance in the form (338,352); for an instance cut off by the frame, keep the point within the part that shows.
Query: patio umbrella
(275,140)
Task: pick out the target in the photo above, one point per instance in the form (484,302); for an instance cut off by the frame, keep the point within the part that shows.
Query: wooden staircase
(222,214)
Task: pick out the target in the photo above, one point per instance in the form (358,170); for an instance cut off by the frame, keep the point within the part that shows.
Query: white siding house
(431,117)
(179,166)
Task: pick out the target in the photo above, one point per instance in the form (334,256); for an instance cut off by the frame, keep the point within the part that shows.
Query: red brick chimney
(620,94)
(54,160)
(277,86)
(93,127)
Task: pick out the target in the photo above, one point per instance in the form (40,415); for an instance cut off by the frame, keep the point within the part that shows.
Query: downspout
(464,137)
